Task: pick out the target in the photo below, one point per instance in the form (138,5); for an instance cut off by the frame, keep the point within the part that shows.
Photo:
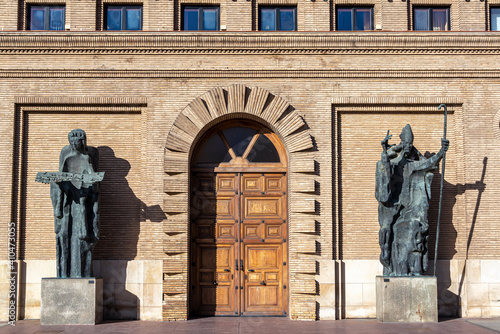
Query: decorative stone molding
(42,100)
(330,74)
(396,101)
(250,42)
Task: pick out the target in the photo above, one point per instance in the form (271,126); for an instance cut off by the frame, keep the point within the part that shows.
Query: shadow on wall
(121,213)
(449,302)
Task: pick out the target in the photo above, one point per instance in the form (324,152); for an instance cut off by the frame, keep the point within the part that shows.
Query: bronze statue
(74,191)
(403,190)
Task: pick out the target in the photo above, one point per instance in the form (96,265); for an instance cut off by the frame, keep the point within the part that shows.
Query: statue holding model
(403,190)
(74,191)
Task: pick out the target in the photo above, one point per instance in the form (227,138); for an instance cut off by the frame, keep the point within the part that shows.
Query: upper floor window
(200,18)
(354,18)
(46,17)
(436,19)
(124,18)
(278,18)
(495,18)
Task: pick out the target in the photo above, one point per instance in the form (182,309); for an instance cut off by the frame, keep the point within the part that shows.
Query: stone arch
(496,125)
(218,105)
(238,99)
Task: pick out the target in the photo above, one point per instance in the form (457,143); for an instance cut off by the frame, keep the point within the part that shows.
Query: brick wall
(127,91)
(242,15)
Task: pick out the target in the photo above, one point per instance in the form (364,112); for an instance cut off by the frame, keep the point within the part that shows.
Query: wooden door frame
(261,168)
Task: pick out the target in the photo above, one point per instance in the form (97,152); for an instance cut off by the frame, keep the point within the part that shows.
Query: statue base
(407,299)
(71,301)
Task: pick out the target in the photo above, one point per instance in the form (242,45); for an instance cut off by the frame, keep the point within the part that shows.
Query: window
(239,142)
(124,18)
(495,18)
(278,18)
(354,18)
(46,18)
(435,19)
(200,18)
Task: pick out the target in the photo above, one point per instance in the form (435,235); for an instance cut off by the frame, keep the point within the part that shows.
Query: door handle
(251,270)
(228,270)
(262,283)
(241,264)
(236,264)
(216,283)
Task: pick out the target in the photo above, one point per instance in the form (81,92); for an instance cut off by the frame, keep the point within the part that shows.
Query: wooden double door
(239,244)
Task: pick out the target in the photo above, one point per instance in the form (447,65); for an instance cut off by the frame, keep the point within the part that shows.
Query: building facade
(240,162)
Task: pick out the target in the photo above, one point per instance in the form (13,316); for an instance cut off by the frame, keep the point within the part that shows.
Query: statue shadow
(121,213)
(447,271)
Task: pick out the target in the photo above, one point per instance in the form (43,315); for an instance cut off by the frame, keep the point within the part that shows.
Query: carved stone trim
(249,74)
(399,101)
(269,51)
(250,42)
(40,100)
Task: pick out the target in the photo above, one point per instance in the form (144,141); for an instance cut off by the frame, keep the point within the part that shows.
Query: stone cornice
(313,74)
(250,42)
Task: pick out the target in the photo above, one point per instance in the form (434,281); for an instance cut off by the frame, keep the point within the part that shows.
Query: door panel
(213,293)
(274,184)
(263,284)
(214,216)
(251,183)
(226,207)
(226,230)
(239,244)
(262,207)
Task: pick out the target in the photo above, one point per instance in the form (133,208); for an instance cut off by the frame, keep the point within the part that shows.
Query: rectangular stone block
(71,301)
(406,299)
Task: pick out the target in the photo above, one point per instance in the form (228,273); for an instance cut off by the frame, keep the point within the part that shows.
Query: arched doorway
(239,222)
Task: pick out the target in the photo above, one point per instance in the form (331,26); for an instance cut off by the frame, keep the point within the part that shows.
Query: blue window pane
(210,19)
(114,19)
(56,19)
(133,19)
(439,19)
(495,19)
(344,19)
(287,19)
(363,19)
(191,19)
(263,151)
(267,19)
(238,138)
(421,19)
(37,19)
(214,151)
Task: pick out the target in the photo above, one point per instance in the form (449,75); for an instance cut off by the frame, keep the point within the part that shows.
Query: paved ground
(261,326)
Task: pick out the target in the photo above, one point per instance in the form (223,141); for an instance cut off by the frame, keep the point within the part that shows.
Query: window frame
(46,23)
(277,16)
(493,7)
(430,21)
(200,16)
(353,17)
(124,9)
(225,166)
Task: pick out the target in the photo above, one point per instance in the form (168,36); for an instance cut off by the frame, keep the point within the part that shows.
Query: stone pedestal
(407,299)
(71,301)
